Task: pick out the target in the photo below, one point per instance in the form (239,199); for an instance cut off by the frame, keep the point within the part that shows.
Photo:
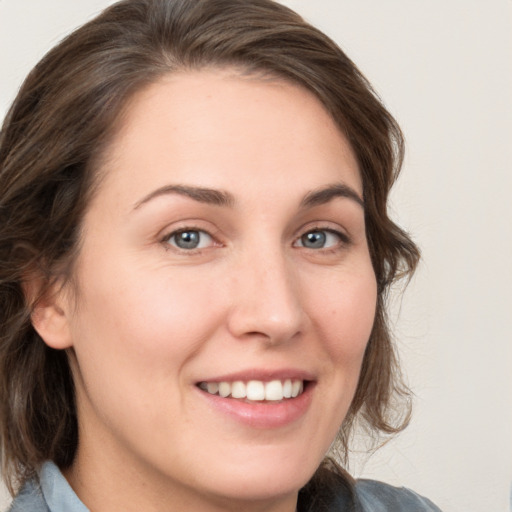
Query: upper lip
(264,375)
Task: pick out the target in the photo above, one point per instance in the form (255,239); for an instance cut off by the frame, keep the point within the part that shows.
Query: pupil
(187,239)
(314,240)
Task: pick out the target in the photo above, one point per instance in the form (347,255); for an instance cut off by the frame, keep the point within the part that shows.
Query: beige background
(444,68)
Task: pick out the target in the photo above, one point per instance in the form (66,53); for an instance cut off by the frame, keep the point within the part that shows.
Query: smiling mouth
(256,390)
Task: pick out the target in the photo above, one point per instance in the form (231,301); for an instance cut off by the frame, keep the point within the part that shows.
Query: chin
(266,486)
(267,479)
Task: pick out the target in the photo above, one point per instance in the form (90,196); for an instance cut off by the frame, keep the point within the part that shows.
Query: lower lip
(264,415)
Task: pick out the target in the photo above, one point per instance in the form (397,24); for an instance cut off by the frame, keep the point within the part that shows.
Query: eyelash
(344,239)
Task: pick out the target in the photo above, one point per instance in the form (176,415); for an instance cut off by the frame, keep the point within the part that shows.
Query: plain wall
(444,69)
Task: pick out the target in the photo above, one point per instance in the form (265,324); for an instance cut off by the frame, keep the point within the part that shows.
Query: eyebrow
(222,198)
(200,194)
(330,192)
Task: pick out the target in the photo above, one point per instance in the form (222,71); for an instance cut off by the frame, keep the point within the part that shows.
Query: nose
(266,299)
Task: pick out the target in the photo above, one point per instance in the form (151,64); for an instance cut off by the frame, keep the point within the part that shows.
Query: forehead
(221,128)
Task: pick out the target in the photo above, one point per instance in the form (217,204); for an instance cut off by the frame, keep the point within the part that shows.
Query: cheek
(140,329)
(344,313)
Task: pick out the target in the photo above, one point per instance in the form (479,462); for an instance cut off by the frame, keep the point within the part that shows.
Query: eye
(189,239)
(320,239)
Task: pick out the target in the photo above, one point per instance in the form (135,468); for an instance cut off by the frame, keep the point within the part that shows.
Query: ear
(51,314)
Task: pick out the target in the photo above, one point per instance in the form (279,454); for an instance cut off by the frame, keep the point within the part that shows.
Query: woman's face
(224,252)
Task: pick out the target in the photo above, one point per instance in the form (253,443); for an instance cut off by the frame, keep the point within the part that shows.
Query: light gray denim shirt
(54,494)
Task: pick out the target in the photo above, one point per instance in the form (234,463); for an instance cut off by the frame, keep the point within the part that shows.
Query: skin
(147,320)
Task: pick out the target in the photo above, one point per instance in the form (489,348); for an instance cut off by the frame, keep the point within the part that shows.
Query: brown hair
(64,117)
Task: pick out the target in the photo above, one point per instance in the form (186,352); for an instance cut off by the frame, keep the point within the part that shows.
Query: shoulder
(332,489)
(380,497)
(29,499)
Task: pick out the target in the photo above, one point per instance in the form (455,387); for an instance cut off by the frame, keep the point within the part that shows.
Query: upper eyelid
(330,226)
(188,225)
(171,232)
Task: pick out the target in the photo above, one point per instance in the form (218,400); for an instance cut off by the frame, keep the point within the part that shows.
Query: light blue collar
(57,492)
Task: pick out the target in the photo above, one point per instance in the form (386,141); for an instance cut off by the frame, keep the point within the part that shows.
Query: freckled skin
(154,319)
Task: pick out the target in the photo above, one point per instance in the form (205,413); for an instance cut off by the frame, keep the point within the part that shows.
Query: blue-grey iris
(314,239)
(187,239)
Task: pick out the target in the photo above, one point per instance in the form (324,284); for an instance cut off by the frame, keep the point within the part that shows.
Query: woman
(195,255)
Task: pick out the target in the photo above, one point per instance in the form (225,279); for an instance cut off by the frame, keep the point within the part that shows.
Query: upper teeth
(255,389)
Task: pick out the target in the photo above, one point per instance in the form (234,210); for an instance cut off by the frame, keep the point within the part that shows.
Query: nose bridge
(266,299)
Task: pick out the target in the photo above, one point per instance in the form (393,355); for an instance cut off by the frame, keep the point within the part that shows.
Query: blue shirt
(53,494)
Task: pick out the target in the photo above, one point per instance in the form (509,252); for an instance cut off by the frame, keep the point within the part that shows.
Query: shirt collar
(57,493)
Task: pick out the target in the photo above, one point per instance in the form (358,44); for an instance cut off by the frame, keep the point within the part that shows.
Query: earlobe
(51,323)
(49,317)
